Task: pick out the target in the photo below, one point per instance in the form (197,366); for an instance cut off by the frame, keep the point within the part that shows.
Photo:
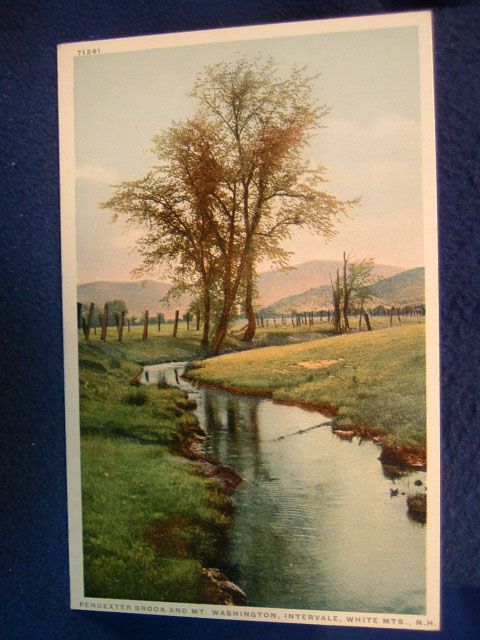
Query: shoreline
(217,587)
(392,453)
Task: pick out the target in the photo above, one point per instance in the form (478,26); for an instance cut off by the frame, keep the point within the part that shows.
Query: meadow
(372,382)
(151,520)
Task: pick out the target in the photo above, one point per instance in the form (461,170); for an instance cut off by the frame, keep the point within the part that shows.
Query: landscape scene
(251,323)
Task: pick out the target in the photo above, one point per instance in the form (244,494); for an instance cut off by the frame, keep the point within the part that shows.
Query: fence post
(145,325)
(121,323)
(175,326)
(367,321)
(188,321)
(88,322)
(104,322)
(158,322)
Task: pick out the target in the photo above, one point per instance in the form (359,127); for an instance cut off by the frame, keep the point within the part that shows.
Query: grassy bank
(151,520)
(372,382)
(162,347)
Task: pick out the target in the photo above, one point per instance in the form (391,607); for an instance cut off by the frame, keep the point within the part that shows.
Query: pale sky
(371,146)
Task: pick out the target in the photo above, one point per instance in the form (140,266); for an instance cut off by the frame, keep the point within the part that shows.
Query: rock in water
(220,590)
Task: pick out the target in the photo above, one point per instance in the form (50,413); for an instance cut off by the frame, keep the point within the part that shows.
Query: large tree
(174,204)
(266,121)
(230,185)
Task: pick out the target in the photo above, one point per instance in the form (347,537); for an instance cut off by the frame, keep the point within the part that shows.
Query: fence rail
(90,317)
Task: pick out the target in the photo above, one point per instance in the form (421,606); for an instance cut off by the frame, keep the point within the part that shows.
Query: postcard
(250,306)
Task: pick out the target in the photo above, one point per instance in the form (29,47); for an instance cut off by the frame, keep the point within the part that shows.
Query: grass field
(162,347)
(150,519)
(374,381)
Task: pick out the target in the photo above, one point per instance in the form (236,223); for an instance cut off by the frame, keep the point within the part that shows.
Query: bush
(137,398)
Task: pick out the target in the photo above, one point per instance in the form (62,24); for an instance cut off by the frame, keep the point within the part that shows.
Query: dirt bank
(409,456)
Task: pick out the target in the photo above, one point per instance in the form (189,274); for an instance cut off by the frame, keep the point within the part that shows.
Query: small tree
(352,289)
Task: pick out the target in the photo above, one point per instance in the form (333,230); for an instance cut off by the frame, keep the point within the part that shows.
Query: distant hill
(407,287)
(401,289)
(272,286)
(138,296)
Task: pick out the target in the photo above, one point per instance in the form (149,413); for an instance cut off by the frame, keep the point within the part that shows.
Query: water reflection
(318,524)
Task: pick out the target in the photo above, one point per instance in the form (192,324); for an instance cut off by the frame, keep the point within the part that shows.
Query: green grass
(133,497)
(150,519)
(377,379)
(162,347)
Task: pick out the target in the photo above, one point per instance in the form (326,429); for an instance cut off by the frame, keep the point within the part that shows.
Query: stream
(318,523)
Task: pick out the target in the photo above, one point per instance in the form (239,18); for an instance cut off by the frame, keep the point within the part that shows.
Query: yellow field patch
(318,364)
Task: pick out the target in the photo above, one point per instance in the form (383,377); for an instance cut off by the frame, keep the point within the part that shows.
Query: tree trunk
(222,328)
(206,318)
(250,313)
(145,326)
(175,326)
(367,321)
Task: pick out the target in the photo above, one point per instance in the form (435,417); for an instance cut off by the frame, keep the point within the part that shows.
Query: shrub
(137,398)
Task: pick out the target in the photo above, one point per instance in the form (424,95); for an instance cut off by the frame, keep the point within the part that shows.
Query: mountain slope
(272,286)
(402,289)
(138,296)
(405,288)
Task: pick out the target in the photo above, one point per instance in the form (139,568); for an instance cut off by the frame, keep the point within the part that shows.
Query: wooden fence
(87,321)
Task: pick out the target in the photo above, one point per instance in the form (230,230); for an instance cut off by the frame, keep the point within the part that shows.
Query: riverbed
(318,522)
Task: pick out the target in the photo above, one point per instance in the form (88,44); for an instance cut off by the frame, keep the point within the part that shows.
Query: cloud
(96,173)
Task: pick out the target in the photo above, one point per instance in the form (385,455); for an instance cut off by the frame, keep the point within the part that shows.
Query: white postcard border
(66,55)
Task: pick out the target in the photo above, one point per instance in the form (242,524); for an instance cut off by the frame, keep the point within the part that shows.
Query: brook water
(318,523)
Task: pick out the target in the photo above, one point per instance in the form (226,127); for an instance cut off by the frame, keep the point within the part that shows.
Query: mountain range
(306,286)
(401,289)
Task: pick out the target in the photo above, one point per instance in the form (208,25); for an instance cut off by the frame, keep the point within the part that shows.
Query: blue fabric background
(34,568)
